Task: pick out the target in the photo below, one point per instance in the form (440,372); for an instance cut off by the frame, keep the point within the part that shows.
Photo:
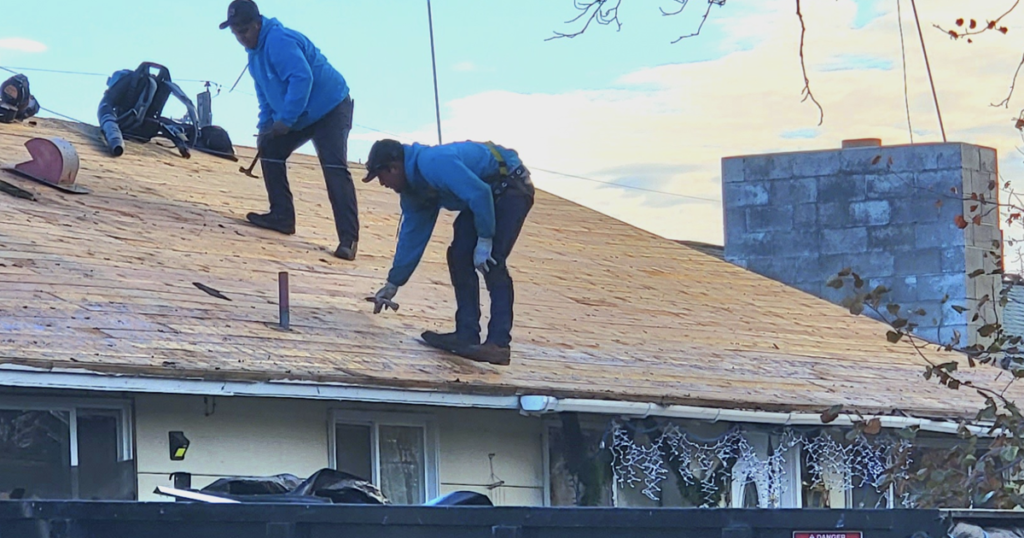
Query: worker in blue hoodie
(301,98)
(491,189)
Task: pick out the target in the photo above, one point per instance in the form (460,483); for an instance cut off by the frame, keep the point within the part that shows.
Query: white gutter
(23,377)
(548,404)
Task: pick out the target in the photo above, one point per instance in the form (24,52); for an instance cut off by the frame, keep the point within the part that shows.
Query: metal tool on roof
(248,171)
(16,191)
(54,163)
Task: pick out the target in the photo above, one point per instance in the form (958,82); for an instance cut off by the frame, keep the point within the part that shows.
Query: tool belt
(517,178)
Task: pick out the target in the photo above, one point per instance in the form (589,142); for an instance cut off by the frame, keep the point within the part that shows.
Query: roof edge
(38,378)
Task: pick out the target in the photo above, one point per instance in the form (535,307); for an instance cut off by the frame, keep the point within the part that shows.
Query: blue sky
(625,108)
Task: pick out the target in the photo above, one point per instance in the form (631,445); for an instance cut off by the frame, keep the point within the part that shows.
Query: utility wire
(903,51)
(924,49)
(282,161)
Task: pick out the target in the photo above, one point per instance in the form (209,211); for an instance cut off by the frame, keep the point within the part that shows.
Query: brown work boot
(347,252)
(450,342)
(489,353)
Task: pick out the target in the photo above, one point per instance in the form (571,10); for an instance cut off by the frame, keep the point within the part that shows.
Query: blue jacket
(447,176)
(294,83)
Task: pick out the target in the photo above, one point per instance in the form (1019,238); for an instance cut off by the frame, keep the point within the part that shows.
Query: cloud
(667,128)
(464,67)
(20,44)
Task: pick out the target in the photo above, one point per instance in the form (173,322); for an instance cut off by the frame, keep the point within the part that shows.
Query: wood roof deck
(104,283)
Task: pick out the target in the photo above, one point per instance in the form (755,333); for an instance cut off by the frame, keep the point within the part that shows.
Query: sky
(624,122)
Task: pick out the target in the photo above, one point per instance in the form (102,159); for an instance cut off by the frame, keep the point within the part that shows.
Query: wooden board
(104,283)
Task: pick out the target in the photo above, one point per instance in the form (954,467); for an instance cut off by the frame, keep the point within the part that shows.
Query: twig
(1013,84)
(603,17)
(806,92)
(990,26)
(903,51)
(707,12)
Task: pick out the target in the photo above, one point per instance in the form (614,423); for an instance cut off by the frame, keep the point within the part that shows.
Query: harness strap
(502,165)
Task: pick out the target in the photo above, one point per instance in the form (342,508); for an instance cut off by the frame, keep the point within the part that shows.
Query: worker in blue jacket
(301,98)
(491,189)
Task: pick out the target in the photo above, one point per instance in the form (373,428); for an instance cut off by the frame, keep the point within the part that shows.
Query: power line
(903,51)
(924,50)
(619,185)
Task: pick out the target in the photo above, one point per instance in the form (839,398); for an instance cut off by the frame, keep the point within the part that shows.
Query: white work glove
(482,258)
(384,297)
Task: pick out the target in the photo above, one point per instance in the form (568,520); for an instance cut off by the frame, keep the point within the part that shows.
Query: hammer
(248,171)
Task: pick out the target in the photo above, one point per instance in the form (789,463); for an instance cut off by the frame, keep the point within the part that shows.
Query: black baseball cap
(383,153)
(240,13)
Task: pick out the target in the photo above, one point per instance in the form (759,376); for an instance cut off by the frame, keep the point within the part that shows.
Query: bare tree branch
(1013,83)
(972,26)
(594,9)
(806,92)
(711,3)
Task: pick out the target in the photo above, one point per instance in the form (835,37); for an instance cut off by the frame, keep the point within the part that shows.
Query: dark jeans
(330,139)
(510,211)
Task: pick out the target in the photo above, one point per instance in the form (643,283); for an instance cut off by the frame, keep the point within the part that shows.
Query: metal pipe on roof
(549,404)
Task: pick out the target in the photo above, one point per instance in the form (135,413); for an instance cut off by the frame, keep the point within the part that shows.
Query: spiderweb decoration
(710,463)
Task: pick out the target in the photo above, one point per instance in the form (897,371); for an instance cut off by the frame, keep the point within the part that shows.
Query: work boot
(489,353)
(270,221)
(347,252)
(450,342)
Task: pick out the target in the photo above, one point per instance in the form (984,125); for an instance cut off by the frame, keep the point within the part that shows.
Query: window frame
(72,406)
(376,419)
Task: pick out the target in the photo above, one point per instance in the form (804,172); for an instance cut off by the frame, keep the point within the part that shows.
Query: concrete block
(937,236)
(748,245)
(933,311)
(953,261)
(947,334)
(876,264)
(748,193)
(808,287)
(735,220)
(921,210)
(793,191)
(947,156)
(732,170)
(951,318)
(769,218)
(764,167)
(844,188)
(919,262)
(984,236)
(833,215)
(862,160)
(928,334)
(938,286)
(830,265)
(792,270)
(891,238)
(844,240)
(871,213)
(761,265)
(803,243)
(816,164)
(888,186)
(939,183)
(904,290)
(970,157)
(989,160)
(805,216)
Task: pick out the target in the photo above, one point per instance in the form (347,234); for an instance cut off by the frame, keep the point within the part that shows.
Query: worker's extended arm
(292,67)
(418,219)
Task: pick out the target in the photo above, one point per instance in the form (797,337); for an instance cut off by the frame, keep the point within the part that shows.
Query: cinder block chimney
(889,212)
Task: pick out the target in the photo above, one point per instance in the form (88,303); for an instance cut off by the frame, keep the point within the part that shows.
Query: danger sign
(829,534)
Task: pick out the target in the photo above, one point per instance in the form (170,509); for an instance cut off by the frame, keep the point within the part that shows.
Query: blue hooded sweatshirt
(447,176)
(294,83)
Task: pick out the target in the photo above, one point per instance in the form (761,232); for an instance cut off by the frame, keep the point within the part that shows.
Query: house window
(395,452)
(65,451)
